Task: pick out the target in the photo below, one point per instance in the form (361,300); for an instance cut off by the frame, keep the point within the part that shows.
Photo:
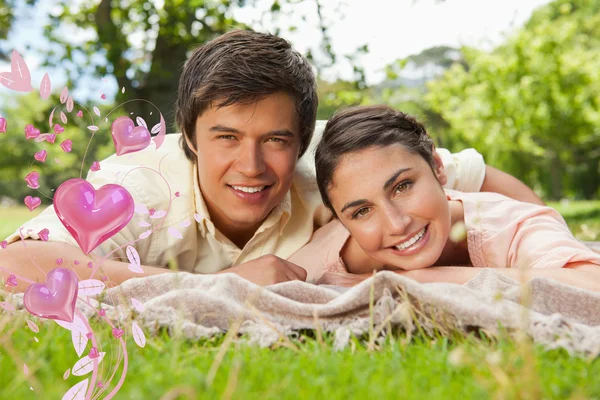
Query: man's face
(247,154)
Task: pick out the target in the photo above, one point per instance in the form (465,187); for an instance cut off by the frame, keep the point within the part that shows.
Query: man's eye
(276,140)
(226,137)
(360,213)
(403,186)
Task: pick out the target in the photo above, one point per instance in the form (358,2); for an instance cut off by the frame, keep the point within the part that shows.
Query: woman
(378,173)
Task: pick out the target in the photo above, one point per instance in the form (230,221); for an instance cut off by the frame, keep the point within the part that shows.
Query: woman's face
(393,204)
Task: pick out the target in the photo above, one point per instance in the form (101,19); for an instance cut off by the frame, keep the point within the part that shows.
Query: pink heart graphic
(32,180)
(32,202)
(80,113)
(41,155)
(2,125)
(18,78)
(117,333)
(89,335)
(127,137)
(59,261)
(58,129)
(51,138)
(91,215)
(67,145)
(43,234)
(3,244)
(102,312)
(31,132)
(56,298)
(12,280)
(95,166)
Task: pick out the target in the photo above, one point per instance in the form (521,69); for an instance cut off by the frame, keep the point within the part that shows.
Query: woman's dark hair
(241,67)
(358,128)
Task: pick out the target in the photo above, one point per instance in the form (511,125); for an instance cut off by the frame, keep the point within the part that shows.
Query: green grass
(12,217)
(171,367)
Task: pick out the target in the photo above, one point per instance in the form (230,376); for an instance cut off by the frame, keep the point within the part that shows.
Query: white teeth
(248,189)
(409,242)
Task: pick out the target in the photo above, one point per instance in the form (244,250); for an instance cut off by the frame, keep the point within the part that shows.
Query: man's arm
(20,258)
(503,183)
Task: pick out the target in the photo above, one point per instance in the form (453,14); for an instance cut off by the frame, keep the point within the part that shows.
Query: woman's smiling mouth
(413,244)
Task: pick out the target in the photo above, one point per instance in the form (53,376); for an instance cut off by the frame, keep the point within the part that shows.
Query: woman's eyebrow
(393,178)
(353,204)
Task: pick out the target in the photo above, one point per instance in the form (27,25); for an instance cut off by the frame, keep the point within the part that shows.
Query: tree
(531,106)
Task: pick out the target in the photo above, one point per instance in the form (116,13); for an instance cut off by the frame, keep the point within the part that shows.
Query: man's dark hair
(362,127)
(242,67)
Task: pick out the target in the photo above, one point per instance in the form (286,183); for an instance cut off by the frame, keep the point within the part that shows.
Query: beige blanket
(198,306)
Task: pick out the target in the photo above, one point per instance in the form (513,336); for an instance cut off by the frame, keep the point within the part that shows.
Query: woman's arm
(582,275)
(503,183)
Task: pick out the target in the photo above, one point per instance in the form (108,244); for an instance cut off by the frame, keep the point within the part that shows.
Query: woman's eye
(403,186)
(360,213)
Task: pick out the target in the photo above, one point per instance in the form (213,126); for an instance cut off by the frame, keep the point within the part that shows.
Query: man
(238,196)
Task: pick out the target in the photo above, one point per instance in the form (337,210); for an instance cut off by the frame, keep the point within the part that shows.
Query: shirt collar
(281,213)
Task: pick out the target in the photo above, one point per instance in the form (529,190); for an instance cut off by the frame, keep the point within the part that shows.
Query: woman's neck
(455,252)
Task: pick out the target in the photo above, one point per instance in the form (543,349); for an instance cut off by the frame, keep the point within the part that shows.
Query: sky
(392,29)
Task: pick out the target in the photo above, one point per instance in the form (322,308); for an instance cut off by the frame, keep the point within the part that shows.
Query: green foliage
(532,105)
(16,153)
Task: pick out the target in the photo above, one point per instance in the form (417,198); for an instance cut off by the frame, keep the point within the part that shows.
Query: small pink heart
(127,137)
(2,125)
(59,261)
(90,265)
(3,244)
(41,155)
(176,194)
(95,166)
(32,202)
(92,216)
(89,335)
(67,145)
(102,312)
(117,333)
(103,97)
(32,179)
(93,353)
(80,113)
(51,138)
(54,299)
(31,132)
(12,280)
(58,129)
(100,384)
(43,234)
(104,278)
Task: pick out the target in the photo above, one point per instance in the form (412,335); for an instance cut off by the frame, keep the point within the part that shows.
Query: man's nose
(250,161)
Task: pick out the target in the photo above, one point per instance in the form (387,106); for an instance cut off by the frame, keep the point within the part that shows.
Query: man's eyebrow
(393,178)
(353,204)
(227,129)
(222,128)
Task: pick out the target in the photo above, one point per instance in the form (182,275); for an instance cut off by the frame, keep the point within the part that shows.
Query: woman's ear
(191,146)
(438,169)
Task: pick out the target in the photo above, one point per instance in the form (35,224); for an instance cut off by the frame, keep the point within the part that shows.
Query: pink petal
(138,335)
(45,87)
(77,392)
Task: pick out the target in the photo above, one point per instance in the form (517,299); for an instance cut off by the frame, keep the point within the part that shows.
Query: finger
(297,270)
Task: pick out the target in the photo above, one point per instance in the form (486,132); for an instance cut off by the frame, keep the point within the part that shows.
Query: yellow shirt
(202,248)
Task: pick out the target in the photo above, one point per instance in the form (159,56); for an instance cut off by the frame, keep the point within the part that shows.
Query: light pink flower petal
(64,94)
(132,255)
(96,111)
(93,128)
(159,214)
(77,392)
(144,224)
(155,128)
(138,305)
(146,234)
(64,324)
(70,104)
(135,268)
(175,233)
(86,364)
(138,334)
(63,117)
(141,209)
(160,138)
(198,218)
(90,287)
(7,306)
(45,87)
(185,223)
(67,374)
(25,369)
(34,328)
(141,122)
(80,341)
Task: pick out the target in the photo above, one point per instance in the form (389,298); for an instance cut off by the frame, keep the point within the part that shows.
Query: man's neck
(240,236)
